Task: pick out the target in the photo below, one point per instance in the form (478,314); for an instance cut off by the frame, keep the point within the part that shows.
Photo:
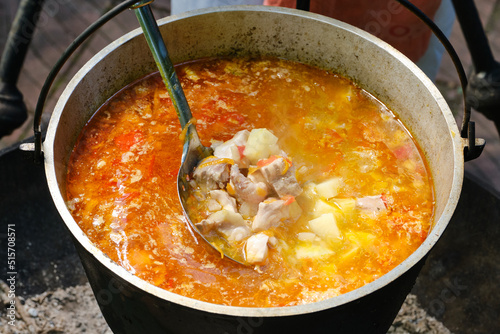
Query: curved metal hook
(473,146)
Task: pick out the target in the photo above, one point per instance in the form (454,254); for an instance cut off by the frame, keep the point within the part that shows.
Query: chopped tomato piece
(330,138)
(288,199)
(383,196)
(333,136)
(169,283)
(235,118)
(240,151)
(208,107)
(403,152)
(127,140)
(336,158)
(265,162)
(151,167)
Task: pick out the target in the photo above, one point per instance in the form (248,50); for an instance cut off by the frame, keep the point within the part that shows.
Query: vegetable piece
(360,238)
(261,144)
(308,196)
(329,188)
(350,254)
(306,236)
(126,140)
(271,159)
(288,199)
(322,207)
(404,151)
(347,205)
(265,162)
(294,211)
(191,75)
(312,251)
(325,227)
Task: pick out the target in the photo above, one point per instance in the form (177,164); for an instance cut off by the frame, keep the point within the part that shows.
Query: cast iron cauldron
(131,305)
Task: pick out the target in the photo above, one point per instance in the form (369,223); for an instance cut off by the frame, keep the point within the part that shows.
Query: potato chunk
(325,227)
(312,251)
(329,188)
(261,144)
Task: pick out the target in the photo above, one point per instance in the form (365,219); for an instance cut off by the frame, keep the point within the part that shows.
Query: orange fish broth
(121,184)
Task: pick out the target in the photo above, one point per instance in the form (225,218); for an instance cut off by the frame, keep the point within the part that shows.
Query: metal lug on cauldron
(34,147)
(27,147)
(473,147)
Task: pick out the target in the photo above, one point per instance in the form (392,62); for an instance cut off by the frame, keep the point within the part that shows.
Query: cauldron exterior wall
(129,310)
(131,305)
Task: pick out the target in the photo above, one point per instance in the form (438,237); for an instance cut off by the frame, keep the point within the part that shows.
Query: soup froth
(121,183)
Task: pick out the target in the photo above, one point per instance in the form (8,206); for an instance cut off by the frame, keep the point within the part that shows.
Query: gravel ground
(74,310)
(63,311)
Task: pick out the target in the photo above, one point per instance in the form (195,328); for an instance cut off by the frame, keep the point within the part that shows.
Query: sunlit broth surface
(121,183)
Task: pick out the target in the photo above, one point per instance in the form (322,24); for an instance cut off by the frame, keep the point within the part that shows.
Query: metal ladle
(193,150)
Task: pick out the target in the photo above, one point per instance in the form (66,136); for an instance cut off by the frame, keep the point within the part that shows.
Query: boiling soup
(362,197)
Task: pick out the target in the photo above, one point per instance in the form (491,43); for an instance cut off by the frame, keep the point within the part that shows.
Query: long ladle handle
(160,54)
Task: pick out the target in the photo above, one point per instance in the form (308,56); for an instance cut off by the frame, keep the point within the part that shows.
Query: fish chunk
(231,149)
(256,248)
(371,205)
(245,189)
(229,223)
(224,199)
(272,212)
(212,173)
(281,176)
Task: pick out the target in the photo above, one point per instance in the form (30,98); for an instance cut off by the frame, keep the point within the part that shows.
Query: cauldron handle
(37,128)
(473,146)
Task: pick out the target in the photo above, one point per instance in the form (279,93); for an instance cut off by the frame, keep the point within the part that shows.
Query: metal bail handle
(472,146)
